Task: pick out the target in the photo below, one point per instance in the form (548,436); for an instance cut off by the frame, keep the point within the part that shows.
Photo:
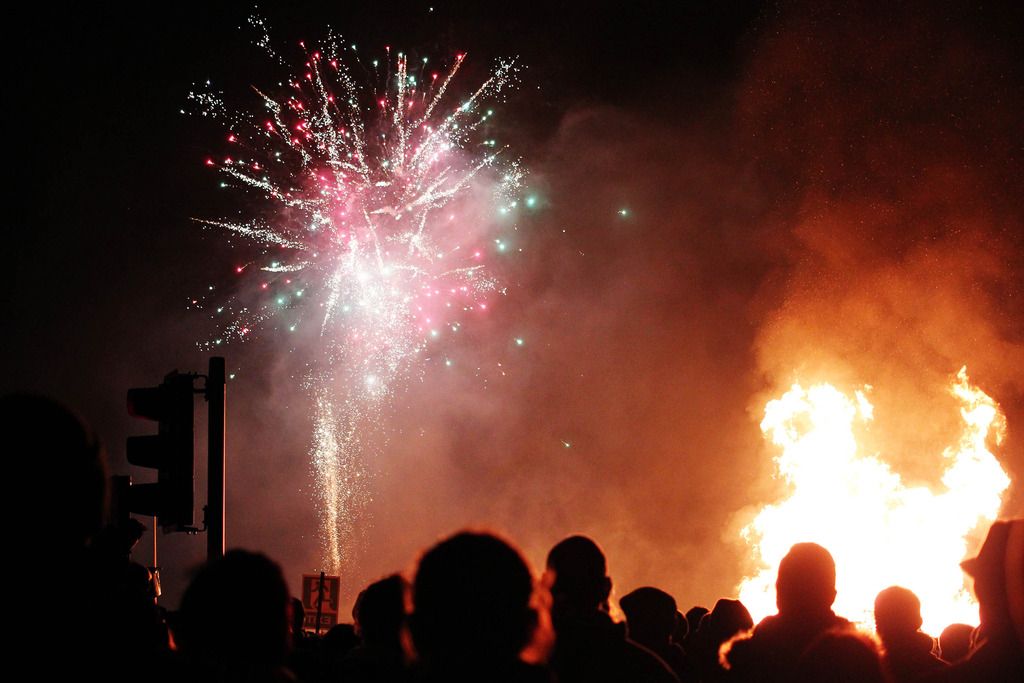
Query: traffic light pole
(216,396)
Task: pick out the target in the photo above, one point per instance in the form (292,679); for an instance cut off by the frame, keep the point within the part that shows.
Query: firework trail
(379,199)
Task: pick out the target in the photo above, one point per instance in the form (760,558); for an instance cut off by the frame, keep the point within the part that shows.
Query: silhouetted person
(693,617)
(115,626)
(727,619)
(805,590)
(651,618)
(840,656)
(955,642)
(473,612)
(129,594)
(379,614)
(681,630)
(297,614)
(118,540)
(589,645)
(50,443)
(305,659)
(907,654)
(233,622)
(998,573)
(134,583)
(335,646)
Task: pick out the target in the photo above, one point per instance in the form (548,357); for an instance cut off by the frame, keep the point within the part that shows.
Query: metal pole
(320,601)
(216,395)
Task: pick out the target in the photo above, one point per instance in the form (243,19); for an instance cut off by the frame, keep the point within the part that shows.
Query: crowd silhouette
(474,610)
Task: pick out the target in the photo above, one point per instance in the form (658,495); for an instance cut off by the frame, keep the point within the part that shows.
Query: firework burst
(379,199)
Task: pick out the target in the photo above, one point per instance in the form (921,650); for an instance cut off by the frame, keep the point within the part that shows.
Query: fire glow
(880,531)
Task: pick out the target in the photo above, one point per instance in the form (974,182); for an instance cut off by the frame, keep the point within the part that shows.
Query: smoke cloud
(846,207)
(847,212)
(851,215)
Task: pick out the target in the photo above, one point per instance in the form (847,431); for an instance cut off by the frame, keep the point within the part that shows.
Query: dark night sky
(814,193)
(111,160)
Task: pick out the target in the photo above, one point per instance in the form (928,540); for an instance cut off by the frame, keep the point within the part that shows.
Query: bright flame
(880,531)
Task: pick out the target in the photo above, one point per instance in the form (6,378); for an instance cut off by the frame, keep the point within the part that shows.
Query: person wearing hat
(998,573)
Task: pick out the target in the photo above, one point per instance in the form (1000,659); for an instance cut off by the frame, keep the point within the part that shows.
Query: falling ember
(369,201)
(880,531)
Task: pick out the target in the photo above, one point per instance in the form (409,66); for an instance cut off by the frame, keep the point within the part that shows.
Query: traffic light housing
(170,451)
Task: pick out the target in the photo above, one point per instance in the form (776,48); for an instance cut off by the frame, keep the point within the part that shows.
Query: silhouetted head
(997,579)
(897,613)
(471,602)
(298,616)
(955,642)
(339,640)
(650,615)
(47,439)
(693,619)
(681,629)
(581,580)
(728,618)
(234,615)
(843,656)
(807,580)
(379,611)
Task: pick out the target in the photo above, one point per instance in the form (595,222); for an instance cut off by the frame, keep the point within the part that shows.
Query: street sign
(328,620)
(320,597)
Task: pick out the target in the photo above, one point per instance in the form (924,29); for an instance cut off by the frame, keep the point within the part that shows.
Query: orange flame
(880,531)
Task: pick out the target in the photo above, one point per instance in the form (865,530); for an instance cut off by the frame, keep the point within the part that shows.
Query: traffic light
(170,451)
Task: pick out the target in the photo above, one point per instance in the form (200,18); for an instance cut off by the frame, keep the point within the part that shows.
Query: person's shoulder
(842,622)
(771,621)
(746,649)
(647,664)
(768,627)
(532,673)
(508,672)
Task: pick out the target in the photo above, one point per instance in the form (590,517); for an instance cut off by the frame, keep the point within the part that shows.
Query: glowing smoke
(381,213)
